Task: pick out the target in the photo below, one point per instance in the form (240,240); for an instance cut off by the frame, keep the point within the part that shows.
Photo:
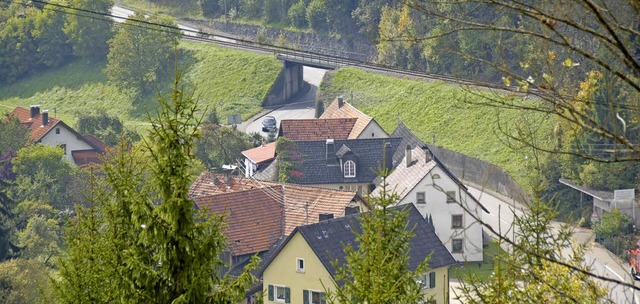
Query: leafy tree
(288,160)
(41,238)
(210,8)
(109,129)
(89,32)
(376,272)
(25,281)
(18,46)
(317,15)
(220,145)
(53,48)
(296,14)
(143,242)
(8,248)
(42,175)
(367,15)
(139,54)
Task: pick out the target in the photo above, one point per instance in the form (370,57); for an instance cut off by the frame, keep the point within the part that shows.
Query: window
(349,169)
(64,148)
(300,265)
(279,294)
(451,197)
(429,280)
(456,246)
(313,297)
(420,198)
(456,221)
(57,130)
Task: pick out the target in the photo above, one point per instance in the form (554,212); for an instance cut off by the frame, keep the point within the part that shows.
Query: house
(423,181)
(258,158)
(350,164)
(365,126)
(605,201)
(316,129)
(302,267)
(258,214)
(78,149)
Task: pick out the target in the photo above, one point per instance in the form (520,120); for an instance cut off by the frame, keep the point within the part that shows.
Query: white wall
(441,212)
(373,130)
(65,137)
(249,168)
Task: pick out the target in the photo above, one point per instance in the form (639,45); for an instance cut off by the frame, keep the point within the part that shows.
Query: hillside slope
(440,111)
(232,81)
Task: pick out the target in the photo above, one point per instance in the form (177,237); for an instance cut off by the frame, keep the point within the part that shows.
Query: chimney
(329,149)
(35,110)
(45,117)
(407,155)
(340,102)
(325,216)
(427,153)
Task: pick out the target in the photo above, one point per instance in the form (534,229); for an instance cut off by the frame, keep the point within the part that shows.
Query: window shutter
(270,292)
(305,296)
(287,295)
(432,279)
(322,298)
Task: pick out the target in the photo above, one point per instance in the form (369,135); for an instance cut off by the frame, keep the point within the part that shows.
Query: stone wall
(483,174)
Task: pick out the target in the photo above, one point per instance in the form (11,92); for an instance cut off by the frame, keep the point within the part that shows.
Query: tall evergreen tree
(376,272)
(142,241)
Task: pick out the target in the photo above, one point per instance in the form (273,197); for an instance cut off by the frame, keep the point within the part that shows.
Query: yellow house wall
(440,292)
(282,271)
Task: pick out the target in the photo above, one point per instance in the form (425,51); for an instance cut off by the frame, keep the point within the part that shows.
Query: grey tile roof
(320,163)
(408,139)
(328,238)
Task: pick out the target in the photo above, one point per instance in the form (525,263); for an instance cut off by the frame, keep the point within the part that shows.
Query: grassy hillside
(436,110)
(237,80)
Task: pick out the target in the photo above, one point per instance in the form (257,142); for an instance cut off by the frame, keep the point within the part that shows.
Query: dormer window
(349,169)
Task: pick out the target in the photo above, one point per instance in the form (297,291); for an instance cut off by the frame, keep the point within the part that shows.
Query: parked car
(269,123)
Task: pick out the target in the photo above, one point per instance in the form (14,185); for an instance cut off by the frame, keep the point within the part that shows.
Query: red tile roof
(86,157)
(95,142)
(261,154)
(36,129)
(254,218)
(317,129)
(302,204)
(342,109)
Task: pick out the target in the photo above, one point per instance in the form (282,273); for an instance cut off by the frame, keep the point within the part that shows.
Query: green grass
(437,110)
(185,9)
(239,79)
(482,270)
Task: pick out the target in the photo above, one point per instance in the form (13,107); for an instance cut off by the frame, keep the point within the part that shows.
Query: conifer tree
(143,242)
(376,271)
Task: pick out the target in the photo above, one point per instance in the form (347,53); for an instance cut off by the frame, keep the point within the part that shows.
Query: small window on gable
(420,198)
(57,130)
(349,169)
(300,265)
(451,197)
(457,246)
(373,134)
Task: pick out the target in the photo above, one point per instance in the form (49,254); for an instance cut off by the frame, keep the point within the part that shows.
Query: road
(121,14)
(302,107)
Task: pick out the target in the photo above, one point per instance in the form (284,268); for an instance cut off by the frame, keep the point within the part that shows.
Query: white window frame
(426,280)
(349,168)
(311,292)
(298,268)
(275,293)
(461,221)
(424,198)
